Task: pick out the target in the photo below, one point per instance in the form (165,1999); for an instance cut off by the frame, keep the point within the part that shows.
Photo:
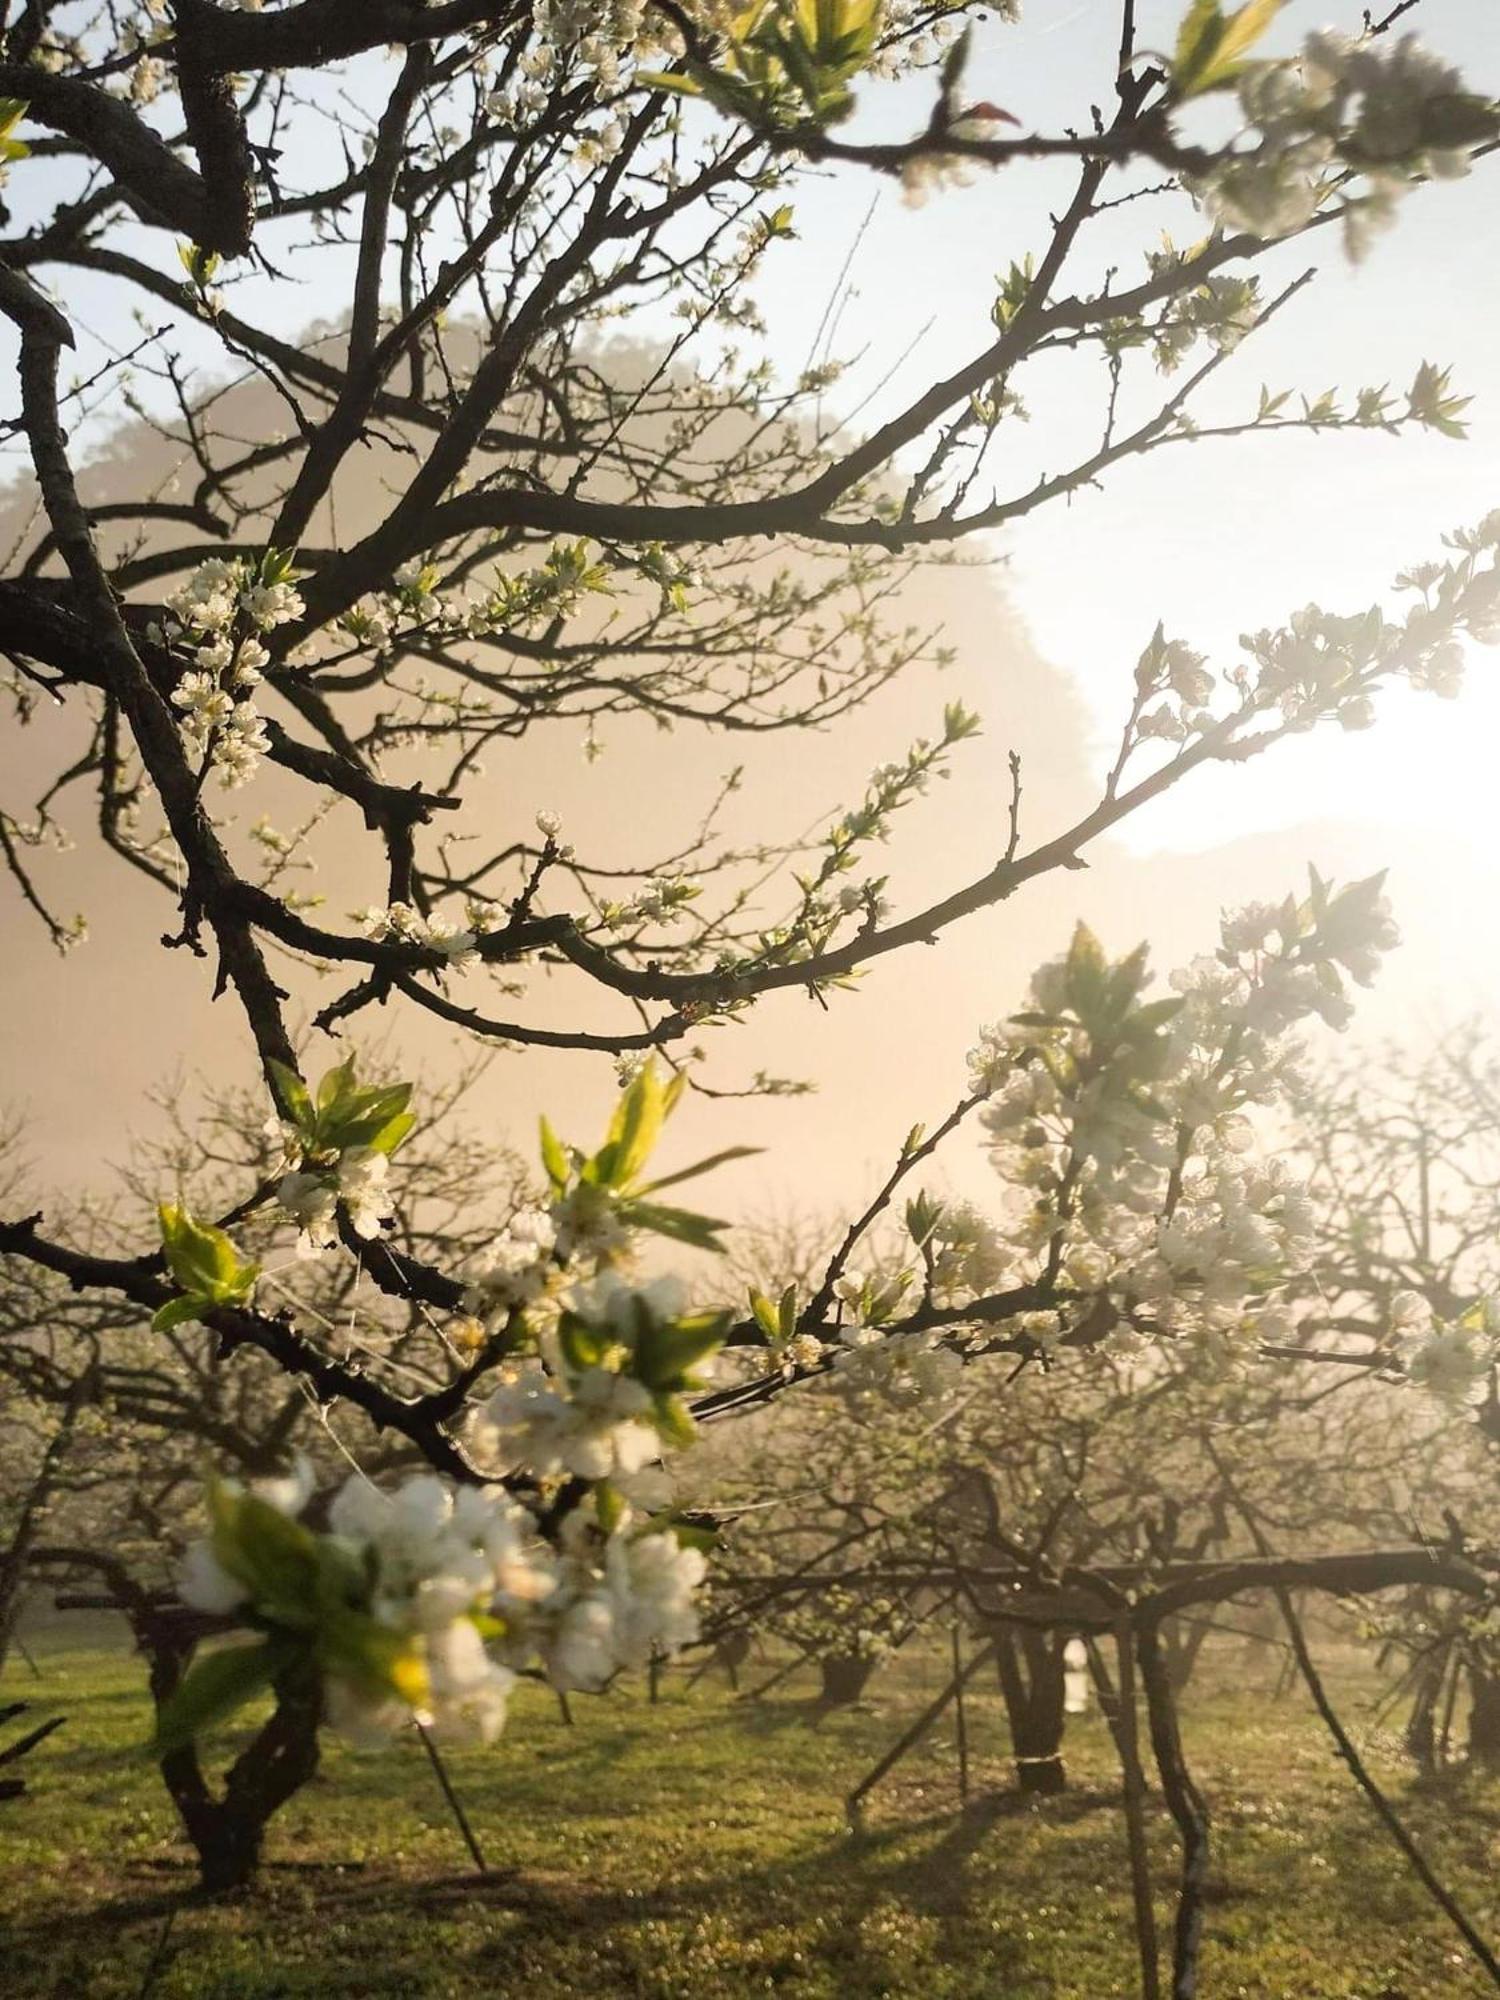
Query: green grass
(699,1849)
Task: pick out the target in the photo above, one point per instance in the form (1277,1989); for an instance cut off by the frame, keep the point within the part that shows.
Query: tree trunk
(733,1651)
(845,1678)
(1181,1645)
(1484,1718)
(1032,1680)
(1420,1736)
(34,1510)
(227,1832)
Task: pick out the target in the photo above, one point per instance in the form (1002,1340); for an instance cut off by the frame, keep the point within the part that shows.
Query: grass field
(699,1848)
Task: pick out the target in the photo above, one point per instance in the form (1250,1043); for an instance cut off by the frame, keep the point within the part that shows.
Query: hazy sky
(1216,538)
(1223,537)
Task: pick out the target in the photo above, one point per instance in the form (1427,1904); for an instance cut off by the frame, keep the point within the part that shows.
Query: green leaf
(633,1131)
(956,61)
(667,1351)
(765,1315)
(656,79)
(1210,50)
(554,1158)
(361,1115)
(1155,1014)
(1197,38)
(12,111)
(335,1083)
(214,1687)
(787,1312)
(688,1534)
(703,1167)
(392,1133)
(583,1344)
(177,1312)
(292,1095)
(1087,973)
(674,1421)
(201,1258)
(378,1661)
(701,1231)
(274,1557)
(609,1506)
(200,264)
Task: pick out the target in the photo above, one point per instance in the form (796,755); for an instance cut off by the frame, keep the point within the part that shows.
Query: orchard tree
(563,539)
(1401,1156)
(551,536)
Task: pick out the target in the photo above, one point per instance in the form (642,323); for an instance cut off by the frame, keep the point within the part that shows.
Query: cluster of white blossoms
(1322,665)
(334,1152)
(217,613)
(1222,310)
(1170,668)
(588,1224)
(400,923)
(873,1359)
(1121,1125)
(595,37)
(1357,120)
(899,1367)
(620,1598)
(425,1602)
(513,601)
(513,1269)
(357,1181)
(591,1425)
(1454,1360)
(661,902)
(963,1251)
(580,1409)
(428,1600)
(836,1622)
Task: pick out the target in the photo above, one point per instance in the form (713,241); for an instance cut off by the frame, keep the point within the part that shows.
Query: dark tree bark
(1181,1645)
(731,1653)
(845,1676)
(1187,1806)
(1030,1666)
(1484,1717)
(1420,1734)
(227,1829)
(228,1832)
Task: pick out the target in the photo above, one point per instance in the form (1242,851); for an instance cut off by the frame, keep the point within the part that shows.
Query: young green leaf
(674,1421)
(787,1312)
(667,1351)
(765,1315)
(1211,49)
(583,1344)
(214,1687)
(554,1158)
(703,1167)
(701,1231)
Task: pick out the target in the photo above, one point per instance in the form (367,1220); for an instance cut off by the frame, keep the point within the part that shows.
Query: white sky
(1221,537)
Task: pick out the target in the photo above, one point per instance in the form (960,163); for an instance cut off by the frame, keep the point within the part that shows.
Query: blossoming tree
(560,539)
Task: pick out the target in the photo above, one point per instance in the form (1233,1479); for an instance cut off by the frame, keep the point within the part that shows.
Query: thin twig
(1187,1806)
(455,1804)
